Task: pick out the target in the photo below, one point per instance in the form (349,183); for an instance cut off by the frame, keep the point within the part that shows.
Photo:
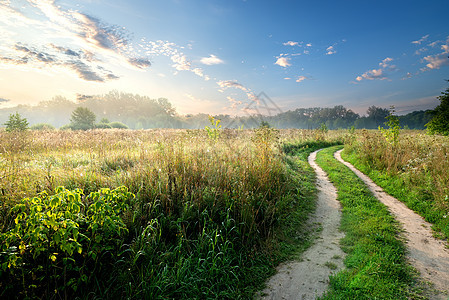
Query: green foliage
(376,262)
(104,121)
(60,237)
(439,124)
(102,126)
(392,133)
(16,123)
(82,119)
(66,127)
(42,126)
(323,128)
(118,125)
(213,131)
(264,124)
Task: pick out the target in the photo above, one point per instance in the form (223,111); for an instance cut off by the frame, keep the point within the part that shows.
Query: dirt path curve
(427,254)
(309,278)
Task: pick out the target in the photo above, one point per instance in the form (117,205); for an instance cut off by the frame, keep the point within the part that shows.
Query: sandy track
(309,278)
(427,254)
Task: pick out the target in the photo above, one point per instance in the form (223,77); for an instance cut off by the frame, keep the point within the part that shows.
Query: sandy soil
(309,278)
(426,253)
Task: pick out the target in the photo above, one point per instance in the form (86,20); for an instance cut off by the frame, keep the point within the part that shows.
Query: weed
(331,265)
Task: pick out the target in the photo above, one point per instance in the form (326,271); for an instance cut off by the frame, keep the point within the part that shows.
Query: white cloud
(301,78)
(291,43)
(418,42)
(438,60)
(385,62)
(372,75)
(330,50)
(377,74)
(211,60)
(283,62)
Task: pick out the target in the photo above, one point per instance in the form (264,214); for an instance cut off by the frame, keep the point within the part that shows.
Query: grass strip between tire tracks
(376,267)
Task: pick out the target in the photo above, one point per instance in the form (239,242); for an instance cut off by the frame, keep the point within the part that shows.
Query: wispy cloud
(233,102)
(225,84)
(48,57)
(283,61)
(73,40)
(330,50)
(290,43)
(83,98)
(211,60)
(378,74)
(423,39)
(301,78)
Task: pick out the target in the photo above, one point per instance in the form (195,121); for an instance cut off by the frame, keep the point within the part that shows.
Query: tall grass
(205,220)
(415,170)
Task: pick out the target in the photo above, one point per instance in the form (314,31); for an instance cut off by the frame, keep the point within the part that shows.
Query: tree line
(126,110)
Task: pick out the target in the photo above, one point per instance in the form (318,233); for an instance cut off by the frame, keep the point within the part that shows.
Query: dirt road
(426,253)
(309,278)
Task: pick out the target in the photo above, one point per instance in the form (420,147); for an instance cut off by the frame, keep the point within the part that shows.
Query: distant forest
(141,112)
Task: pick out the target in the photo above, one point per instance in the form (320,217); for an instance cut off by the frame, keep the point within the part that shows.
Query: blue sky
(216,56)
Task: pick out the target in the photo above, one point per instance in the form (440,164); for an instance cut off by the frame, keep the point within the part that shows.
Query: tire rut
(309,278)
(426,253)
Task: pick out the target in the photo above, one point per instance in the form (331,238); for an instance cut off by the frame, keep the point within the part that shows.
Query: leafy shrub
(102,126)
(439,124)
(392,133)
(61,242)
(66,127)
(42,126)
(118,125)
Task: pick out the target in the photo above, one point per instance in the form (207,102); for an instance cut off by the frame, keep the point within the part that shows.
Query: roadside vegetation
(376,267)
(414,169)
(151,214)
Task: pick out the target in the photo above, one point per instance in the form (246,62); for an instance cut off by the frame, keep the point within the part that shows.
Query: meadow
(160,214)
(152,214)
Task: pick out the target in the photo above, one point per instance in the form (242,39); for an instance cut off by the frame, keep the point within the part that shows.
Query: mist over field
(141,112)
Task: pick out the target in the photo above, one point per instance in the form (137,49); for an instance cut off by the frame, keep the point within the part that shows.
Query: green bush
(102,126)
(118,125)
(66,127)
(42,126)
(61,242)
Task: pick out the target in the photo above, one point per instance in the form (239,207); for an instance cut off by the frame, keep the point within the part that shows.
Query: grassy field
(415,170)
(194,214)
(152,214)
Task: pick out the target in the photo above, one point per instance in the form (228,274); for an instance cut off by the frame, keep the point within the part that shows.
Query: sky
(227,56)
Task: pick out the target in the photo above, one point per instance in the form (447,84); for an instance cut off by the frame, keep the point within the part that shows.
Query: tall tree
(16,123)
(82,119)
(439,124)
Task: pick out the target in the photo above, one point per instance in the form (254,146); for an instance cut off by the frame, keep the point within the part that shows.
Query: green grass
(376,267)
(415,196)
